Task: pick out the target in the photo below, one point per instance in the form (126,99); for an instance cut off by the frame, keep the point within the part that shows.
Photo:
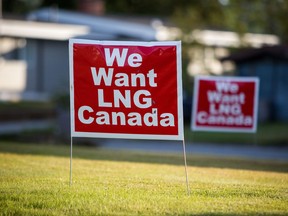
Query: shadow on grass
(93,153)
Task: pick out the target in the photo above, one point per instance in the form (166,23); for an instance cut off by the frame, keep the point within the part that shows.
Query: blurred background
(219,37)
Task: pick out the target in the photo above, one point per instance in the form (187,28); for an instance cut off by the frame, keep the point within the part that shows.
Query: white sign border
(180,135)
(194,127)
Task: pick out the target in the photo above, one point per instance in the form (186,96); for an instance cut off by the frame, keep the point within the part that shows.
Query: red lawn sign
(225,104)
(126,89)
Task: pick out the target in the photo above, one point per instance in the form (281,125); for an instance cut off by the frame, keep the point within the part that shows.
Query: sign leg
(186,171)
(71,144)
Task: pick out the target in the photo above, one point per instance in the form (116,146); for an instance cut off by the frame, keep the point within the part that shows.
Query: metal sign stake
(71,144)
(186,170)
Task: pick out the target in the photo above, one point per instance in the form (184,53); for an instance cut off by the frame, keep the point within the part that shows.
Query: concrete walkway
(239,151)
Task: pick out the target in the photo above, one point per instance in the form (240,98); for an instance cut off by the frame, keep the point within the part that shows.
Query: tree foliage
(256,16)
(147,7)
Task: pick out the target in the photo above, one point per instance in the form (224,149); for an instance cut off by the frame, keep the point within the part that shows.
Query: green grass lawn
(268,134)
(34,180)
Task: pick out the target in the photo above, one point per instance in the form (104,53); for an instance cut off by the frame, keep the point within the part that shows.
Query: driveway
(227,150)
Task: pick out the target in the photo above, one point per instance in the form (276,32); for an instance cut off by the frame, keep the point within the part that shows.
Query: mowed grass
(34,180)
(268,134)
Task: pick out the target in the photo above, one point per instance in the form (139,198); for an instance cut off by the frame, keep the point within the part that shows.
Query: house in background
(38,51)
(208,46)
(35,63)
(36,59)
(270,64)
